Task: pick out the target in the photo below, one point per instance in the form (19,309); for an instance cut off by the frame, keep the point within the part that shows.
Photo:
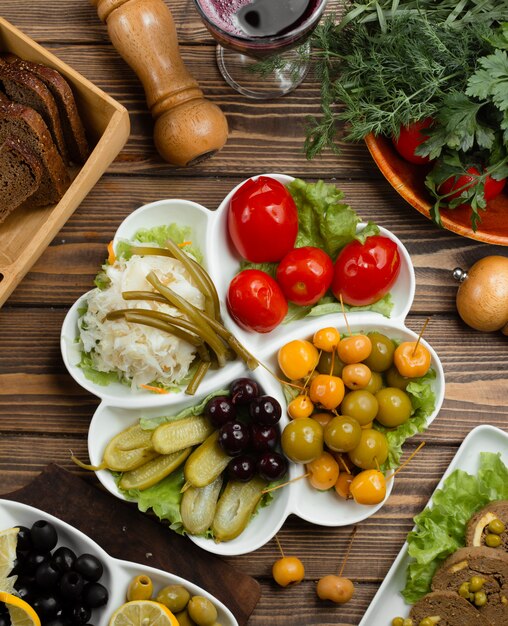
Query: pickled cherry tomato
(328,391)
(298,358)
(371,451)
(326,339)
(356,376)
(343,485)
(299,407)
(323,471)
(369,487)
(354,349)
(412,360)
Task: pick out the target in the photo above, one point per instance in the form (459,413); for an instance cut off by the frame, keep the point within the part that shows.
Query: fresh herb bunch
(387,64)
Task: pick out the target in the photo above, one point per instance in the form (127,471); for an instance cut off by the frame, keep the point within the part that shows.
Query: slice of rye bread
(74,131)
(25,88)
(29,128)
(20,175)
(450,608)
(477,527)
(487,563)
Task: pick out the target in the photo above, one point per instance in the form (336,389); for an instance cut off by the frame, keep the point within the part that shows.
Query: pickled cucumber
(235,508)
(152,472)
(197,507)
(181,434)
(206,462)
(128,450)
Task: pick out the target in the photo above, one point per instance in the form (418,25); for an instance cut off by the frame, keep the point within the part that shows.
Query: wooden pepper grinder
(188,128)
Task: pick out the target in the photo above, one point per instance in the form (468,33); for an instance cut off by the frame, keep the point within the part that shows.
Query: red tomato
(410,137)
(452,187)
(263,220)
(255,301)
(364,273)
(305,275)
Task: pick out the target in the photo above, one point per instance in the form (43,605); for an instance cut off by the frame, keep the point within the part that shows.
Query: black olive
(59,620)
(89,567)
(46,576)
(25,588)
(63,559)
(71,585)
(33,560)
(3,609)
(24,543)
(79,614)
(44,537)
(5,620)
(46,605)
(95,595)
(17,567)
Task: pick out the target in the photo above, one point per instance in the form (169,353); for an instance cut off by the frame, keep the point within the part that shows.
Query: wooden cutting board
(125,533)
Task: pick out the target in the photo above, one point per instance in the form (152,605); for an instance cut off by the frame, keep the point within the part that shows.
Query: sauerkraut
(138,354)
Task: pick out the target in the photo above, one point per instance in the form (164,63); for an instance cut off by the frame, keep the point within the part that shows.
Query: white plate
(117,573)
(122,406)
(388,603)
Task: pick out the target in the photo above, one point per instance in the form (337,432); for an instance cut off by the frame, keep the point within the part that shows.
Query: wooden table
(43,413)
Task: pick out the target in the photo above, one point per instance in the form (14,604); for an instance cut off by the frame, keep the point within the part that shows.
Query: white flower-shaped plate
(122,407)
(117,573)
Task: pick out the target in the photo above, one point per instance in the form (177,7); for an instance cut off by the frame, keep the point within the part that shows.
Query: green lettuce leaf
(99,378)
(324,220)
(196,409)
(440,528)
(159,235)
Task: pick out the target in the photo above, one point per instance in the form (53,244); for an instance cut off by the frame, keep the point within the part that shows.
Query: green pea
(426,621)
(496,526)
(476,583)
(480,598)
(408,622)
(493,541)
(464,590)
(398,621)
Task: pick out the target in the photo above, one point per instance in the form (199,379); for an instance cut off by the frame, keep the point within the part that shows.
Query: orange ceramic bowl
(409,181)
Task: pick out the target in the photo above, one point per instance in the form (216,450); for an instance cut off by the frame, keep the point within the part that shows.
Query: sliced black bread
(73,129)
(20,175)
(447,608)
(28,127)
(25,88)
(495,514)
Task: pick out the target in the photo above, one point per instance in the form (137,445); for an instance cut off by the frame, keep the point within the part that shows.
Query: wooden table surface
(43,413)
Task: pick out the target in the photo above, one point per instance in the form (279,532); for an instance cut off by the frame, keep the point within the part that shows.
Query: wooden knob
(188,128)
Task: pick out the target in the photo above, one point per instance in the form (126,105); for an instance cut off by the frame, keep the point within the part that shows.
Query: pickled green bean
(181,322)
(143,295)
(199,374)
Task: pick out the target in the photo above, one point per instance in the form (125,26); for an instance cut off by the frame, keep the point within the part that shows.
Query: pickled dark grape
(264,437)
(89,567)
(63,559)
(265,410)
(242,468)
(46,576)
(243,390)
(44,537)
(272,466)
(234,438)
(220,410)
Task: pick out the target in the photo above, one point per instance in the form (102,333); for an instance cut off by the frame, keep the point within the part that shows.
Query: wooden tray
(125,533)
(26,233)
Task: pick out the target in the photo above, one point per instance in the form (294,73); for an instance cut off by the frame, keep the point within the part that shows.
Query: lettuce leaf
(195,409)
(159,235)
(99,378)
(440,528)
(329,304)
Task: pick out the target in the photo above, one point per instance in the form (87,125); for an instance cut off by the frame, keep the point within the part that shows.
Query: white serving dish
(388,601)
(121,406)
(117,573)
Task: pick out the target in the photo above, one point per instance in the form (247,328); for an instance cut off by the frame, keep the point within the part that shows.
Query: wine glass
(248,31)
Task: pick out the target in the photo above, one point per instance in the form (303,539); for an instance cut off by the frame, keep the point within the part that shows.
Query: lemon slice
(21,612)
(8,543)
(143,613)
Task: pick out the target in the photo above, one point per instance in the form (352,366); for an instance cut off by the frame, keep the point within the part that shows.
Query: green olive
(375,383)
(394,379)
(184,619)
(381,356)
(302,440)
(329,363)
(342,433)
(395,407)
(202,611)
(361,405)
(493,541)
(497,527)
(476,583)
(480,598)
(175,597)
(140,588)
(464,590)
(371,451)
